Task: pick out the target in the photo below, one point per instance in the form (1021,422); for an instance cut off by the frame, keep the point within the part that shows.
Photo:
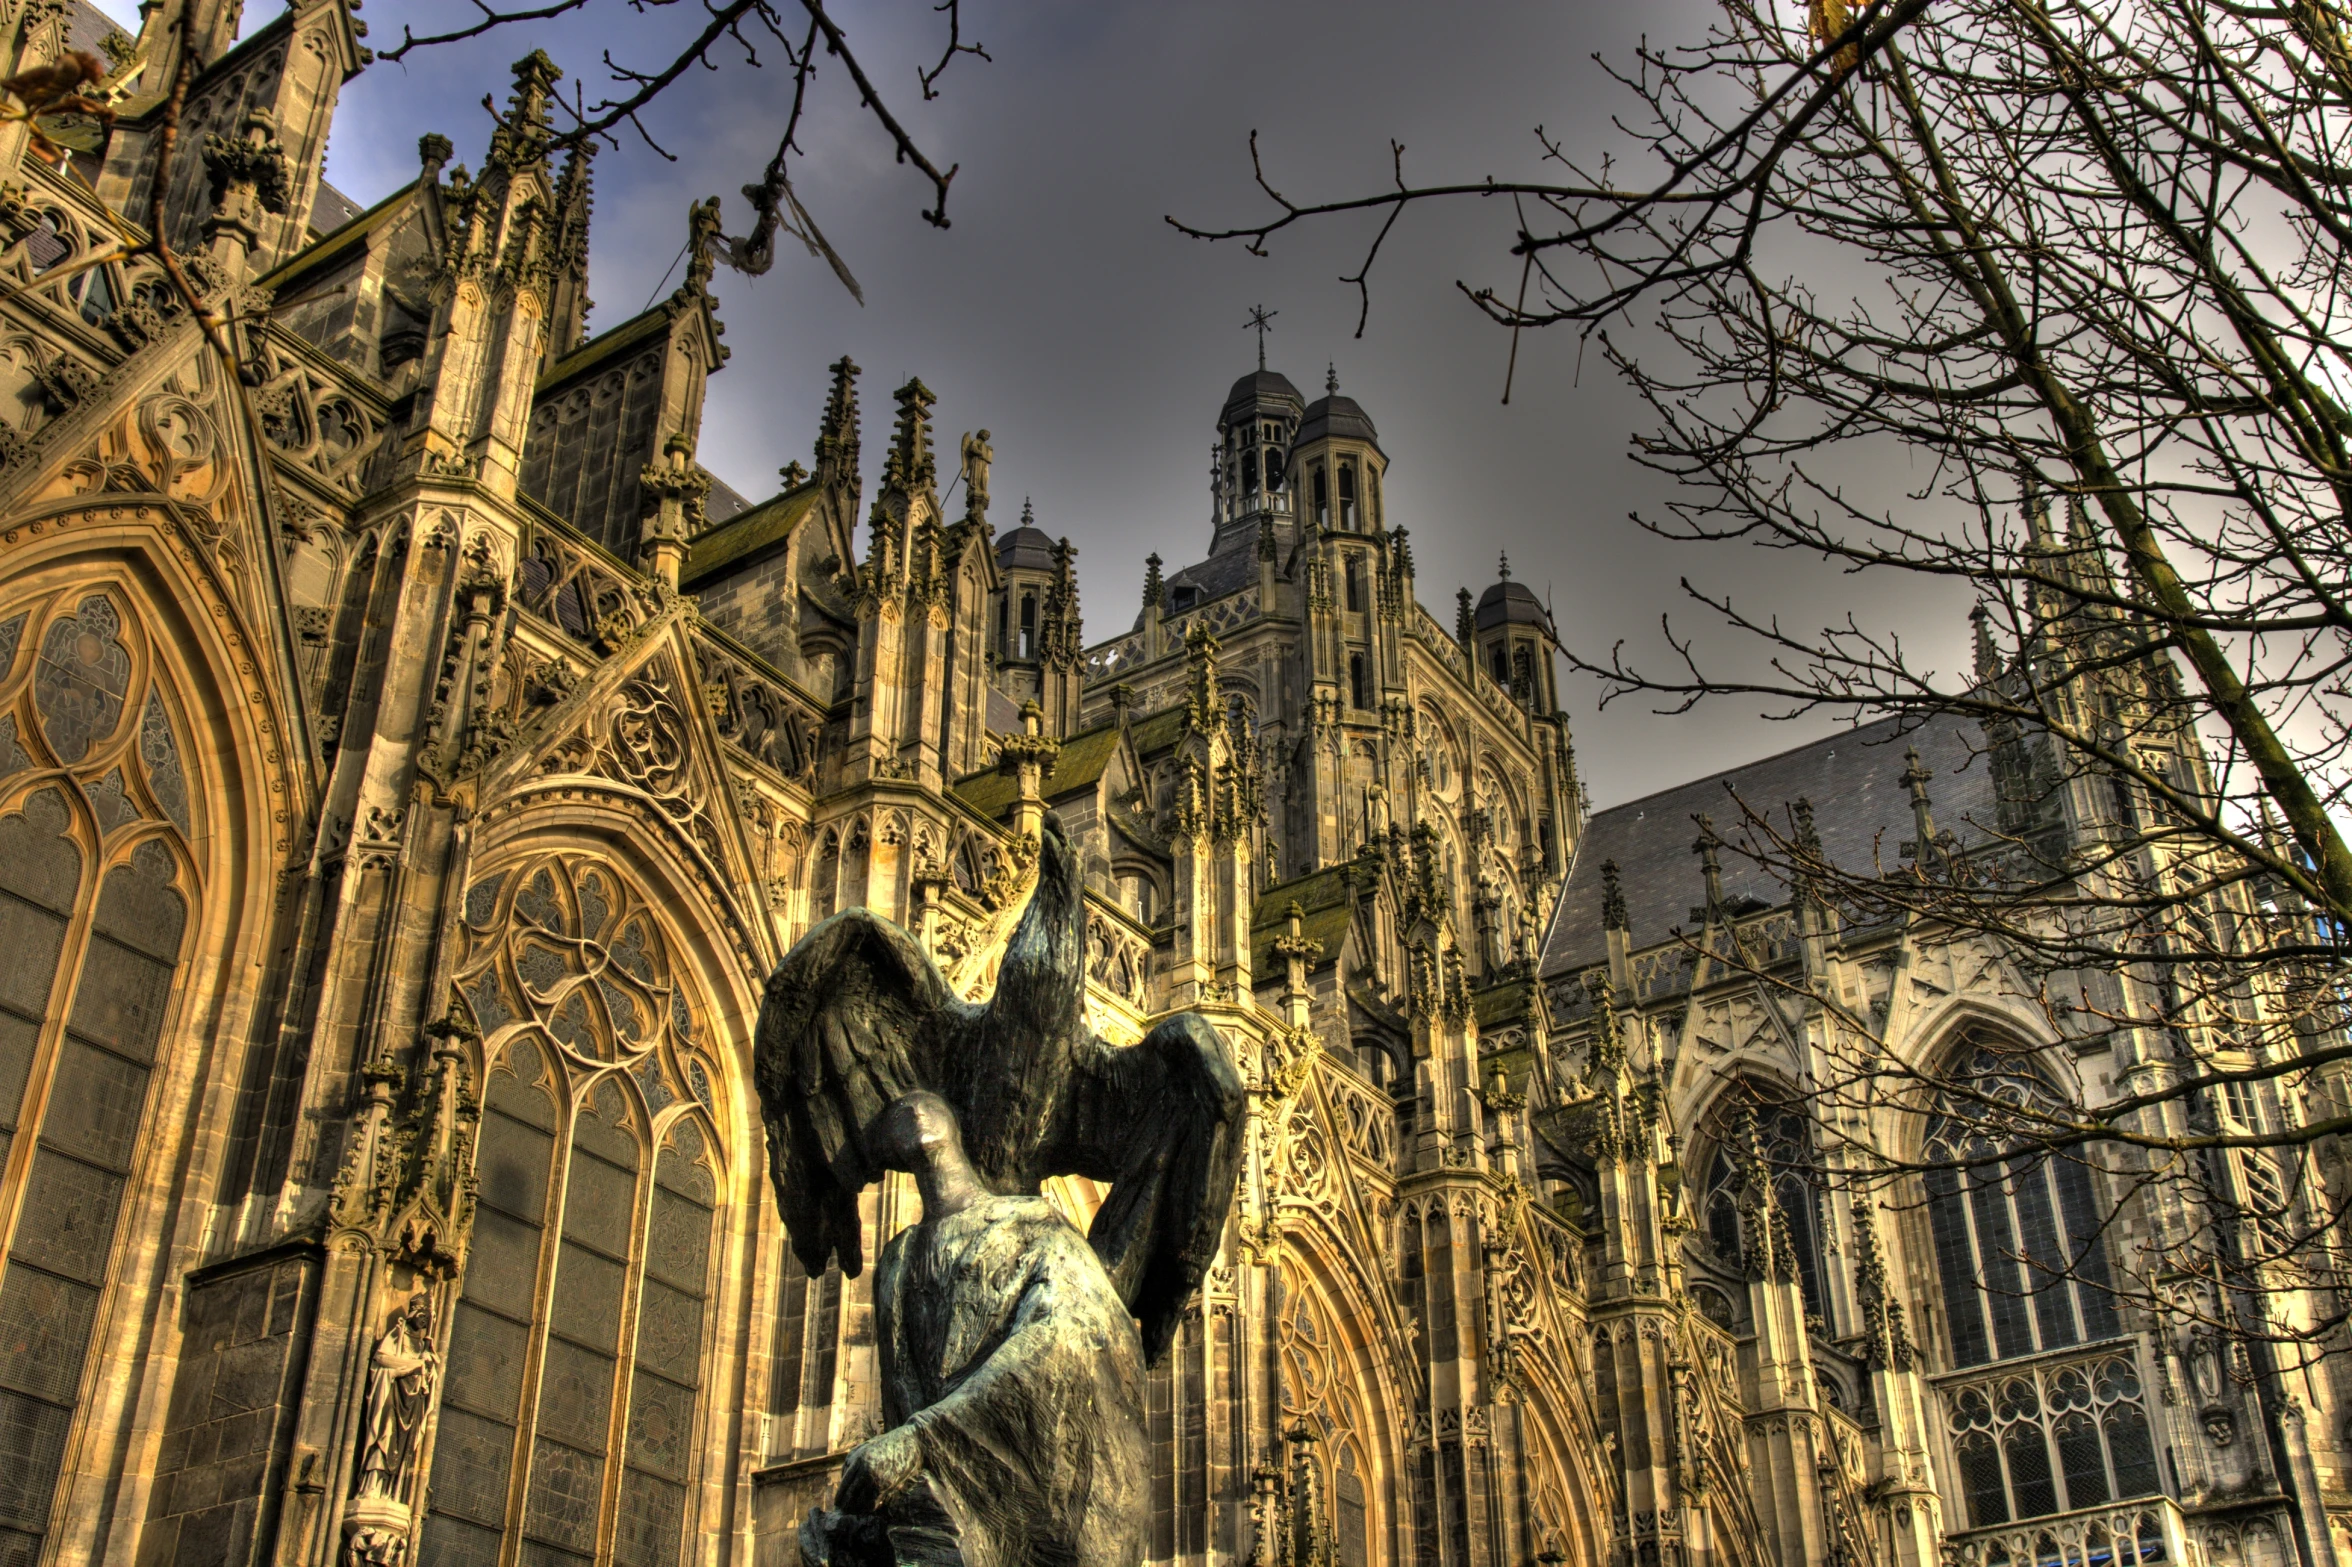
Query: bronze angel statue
(1011,1359)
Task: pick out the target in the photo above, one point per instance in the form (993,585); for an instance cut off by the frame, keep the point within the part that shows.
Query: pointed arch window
(2018,1253)
(1322,492)
(576,1356)
(1347,497)
(1359,683)
(1355,586)
(97,886)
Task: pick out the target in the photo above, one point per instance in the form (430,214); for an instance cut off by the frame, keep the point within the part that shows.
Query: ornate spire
(1465,621)
(1059,636)
(1612,898)
(523,134)
(1205,702)
(1887,1337)
(1988,652)
(1399,541)
(1915,778)
(567,249)
(837,437)
(1331,379)
(1710,863)
(2037,511)
(1503,566)
(911,465)
(1155,588)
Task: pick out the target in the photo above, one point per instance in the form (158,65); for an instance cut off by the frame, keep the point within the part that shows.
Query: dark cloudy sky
(1064,315)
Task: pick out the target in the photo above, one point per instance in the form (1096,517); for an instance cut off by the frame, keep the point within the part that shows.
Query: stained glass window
(577,1351)
(95,897)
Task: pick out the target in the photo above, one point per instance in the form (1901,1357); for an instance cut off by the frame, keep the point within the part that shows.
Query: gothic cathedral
(412,762)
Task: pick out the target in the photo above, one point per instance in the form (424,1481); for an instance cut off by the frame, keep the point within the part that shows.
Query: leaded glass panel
(81,1015)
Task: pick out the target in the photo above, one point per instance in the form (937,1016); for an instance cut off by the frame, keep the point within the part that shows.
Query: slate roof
(1257,389)
(1025,548)
(748,531)
(1512,603)
(330,209)
(1337,415)
(1079,765)
(1229,571)
(724,501)
(86,27)
(1860,808)
(1326,907)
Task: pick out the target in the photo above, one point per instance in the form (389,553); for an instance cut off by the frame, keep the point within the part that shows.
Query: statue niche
(403,1372)
(1011,1374)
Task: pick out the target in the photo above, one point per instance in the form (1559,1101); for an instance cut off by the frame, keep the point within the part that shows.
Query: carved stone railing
(567,582)
(1111,660)
(1118,952)
(756,709)
(2124,1534)
(2062,1435)
(1365,1116)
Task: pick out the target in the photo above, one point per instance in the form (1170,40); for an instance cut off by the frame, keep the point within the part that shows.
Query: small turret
(1254,431)
(1516,641)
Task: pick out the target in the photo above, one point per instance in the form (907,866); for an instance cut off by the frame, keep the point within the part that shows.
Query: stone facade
(411,763)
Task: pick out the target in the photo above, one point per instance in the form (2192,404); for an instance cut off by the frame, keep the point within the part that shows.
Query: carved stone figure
(978,455)
(1012,1383)
(402,1375)
(1033,1466)
(858,1015)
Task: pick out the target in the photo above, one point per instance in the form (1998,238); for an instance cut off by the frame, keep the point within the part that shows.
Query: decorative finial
(1028,513)
(1331,378)
(1262,319)
(1504,565)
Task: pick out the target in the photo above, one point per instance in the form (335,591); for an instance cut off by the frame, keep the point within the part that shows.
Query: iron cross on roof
(1262,319)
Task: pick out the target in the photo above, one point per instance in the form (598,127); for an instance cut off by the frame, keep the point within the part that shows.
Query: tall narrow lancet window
(1355,586)
(1347,497)
(1249,471)
(1322,496)
(1027,647)
(97,886)
(1359,685)
(576,1358)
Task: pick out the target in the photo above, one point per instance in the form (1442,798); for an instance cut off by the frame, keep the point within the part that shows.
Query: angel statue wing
(858,1014)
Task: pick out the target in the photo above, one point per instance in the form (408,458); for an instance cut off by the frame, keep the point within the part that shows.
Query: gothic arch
(1333,1378)
(144,734)
(612,1016)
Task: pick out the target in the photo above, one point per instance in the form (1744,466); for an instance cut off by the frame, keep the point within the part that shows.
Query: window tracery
(2051,1438)
(97,886)
(576,1355)
(2017,1246)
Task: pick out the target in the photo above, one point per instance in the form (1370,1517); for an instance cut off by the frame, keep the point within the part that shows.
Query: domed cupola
(1254,429)
(1336,464)
(1025,565)
(1516,641)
